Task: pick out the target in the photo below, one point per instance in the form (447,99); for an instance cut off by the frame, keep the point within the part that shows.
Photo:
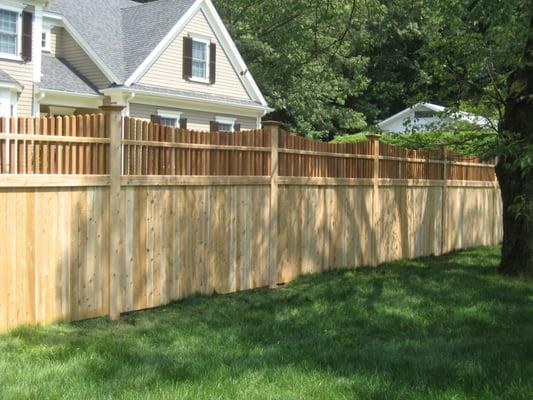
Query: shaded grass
(436,328)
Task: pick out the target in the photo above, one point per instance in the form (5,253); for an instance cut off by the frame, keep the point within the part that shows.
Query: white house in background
(171,61)
(425,116)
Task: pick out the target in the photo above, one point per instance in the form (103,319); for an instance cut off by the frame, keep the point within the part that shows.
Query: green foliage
(436,328)
(353,138)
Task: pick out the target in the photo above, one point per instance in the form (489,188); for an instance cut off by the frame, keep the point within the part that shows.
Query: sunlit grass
(437,328)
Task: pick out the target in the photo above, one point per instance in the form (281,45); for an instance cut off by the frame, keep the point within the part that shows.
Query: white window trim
(48,40)
(8,56)
(207,42)
(170,115)
(227,121)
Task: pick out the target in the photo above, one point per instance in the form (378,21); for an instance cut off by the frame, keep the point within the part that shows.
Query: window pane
(199,51)
(225,127)
(169,122)
(43,42)
(8,21)
(8,44)
(199,69)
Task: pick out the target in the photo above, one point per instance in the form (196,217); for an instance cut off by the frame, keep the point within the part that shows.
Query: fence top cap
(373,136)
(275,123)
(112,107)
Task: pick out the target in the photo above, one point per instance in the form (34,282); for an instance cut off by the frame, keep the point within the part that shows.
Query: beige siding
(70,50)
(196,120)
(23,73)
(167,71)
(55,38)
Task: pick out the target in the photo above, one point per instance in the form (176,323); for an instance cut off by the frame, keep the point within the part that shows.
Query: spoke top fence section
(69,145)
(155,150)
(80,145)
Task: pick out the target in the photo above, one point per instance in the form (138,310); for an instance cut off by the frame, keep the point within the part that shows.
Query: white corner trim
(223,36)
(170,36)
(37,43)
(86,47)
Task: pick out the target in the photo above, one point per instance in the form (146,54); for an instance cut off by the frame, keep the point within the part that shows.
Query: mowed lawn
(437,328)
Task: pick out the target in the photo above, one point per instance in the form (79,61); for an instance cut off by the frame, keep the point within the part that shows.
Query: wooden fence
(102,215)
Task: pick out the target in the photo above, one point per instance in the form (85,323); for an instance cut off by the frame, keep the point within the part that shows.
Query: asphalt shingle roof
(121,32)
(59,75)
(5,77)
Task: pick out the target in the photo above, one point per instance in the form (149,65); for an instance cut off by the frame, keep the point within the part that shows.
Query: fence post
(374,139)
(274,128)
(114,131)
(444,210)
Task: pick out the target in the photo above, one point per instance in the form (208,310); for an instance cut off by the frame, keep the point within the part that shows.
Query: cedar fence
(103,214)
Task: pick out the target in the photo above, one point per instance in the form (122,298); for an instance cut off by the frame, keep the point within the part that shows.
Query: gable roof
(124,37)
(458,116)
(404,113)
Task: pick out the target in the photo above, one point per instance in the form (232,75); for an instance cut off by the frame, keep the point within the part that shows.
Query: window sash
(9,32)
(199,59)
(225,127)
(172,122)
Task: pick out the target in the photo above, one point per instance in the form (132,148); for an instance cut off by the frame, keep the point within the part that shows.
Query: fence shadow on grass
(427,326)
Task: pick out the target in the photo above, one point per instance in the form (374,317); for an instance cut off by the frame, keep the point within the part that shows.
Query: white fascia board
(160,48)
(190,103)
(223,36)
(11,86)
(69,99)
(85,46)
(234,55)
(399,115)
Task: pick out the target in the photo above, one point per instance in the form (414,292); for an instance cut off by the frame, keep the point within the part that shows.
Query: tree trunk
(516,181)
(517,250)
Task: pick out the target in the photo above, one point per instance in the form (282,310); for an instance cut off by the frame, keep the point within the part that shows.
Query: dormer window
(9,32)
(199,60)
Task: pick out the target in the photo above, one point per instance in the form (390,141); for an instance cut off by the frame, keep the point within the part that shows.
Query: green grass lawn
(437,328)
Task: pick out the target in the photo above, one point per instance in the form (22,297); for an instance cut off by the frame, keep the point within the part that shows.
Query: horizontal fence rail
(101,214)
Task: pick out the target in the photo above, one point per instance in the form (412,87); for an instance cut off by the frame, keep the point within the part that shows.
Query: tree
(300,52)
(482,50)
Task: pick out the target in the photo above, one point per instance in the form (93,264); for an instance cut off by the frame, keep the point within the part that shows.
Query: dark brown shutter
(237,127)
(187,58)
(156,119)
(213,126)
(213,63)
(183,123)
(27,28)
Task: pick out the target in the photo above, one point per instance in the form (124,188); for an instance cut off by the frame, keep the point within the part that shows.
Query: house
(427,116)
(171,61)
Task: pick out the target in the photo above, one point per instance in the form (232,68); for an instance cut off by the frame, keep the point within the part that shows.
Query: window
(169,122)
(225,124)
(45,43)
(9,24)
(200,57)
(169,118)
